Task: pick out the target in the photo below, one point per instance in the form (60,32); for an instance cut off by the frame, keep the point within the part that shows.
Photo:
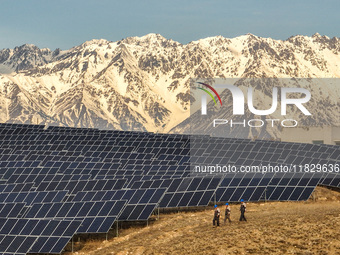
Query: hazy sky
(66,23)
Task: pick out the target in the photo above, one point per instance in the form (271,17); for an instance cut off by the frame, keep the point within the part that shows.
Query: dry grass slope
(311,227)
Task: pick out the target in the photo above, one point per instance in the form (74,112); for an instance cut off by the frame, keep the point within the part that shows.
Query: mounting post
(117,229)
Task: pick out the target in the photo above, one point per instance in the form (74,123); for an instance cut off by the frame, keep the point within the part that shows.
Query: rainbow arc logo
(209,93)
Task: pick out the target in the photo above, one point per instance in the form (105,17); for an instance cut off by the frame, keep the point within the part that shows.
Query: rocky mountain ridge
(143,83)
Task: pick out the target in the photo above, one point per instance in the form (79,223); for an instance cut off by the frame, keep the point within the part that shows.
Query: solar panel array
(95,217)
(33,197)
(88,178)
(21,236)
(141,202)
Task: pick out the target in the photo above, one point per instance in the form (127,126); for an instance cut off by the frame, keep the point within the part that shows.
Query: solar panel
(140,202)
(30,198)
(35,236)
(38,178)
(17,187)
(133,196)
(76,186)
(95,216)
(11,210)
(185,199)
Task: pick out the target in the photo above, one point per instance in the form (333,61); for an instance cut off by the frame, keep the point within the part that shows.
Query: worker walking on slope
(243,210)
(227,213)
(217,213)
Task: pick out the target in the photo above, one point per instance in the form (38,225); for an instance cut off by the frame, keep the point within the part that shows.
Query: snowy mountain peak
(317,35)
(24,57)
(98,42)
(151,40)
(153,37)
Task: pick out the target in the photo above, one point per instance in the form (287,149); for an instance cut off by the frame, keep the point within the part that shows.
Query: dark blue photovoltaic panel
(11,210)
(33,197)
(74,209)
(95,216)
(16,187)
(24,235)
(143,201)
(185,199)
(76,186)
(133,196)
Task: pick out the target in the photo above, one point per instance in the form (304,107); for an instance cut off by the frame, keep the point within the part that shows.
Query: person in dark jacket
(243,210)
(227,213)
(216,219)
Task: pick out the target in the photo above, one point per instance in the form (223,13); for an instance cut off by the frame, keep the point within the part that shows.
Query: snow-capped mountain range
(142,83)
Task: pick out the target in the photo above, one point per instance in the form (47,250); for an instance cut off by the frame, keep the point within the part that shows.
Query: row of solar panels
(21,236)
(189,184)
(177,148)
(221,157)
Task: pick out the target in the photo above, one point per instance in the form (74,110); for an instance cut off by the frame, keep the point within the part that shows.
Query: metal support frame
(117,234)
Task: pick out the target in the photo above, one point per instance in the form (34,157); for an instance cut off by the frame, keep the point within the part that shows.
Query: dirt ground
(311,227)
